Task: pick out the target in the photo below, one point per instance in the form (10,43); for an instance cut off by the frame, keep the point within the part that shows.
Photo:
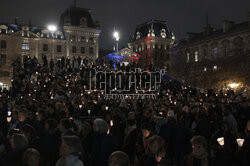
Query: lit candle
(221,141)
(106,107)
(240,142)
(8,119)
(111,123)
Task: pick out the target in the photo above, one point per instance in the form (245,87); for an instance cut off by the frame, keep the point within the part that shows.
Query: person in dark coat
(51,65)
(119,158)
(33,139)
(51,142)
(101,143)
(19,144)
(142,139)
(45,62)
(31,157)
(62,62)
(155,153)
(70,151)
(131,134)
(199,155)
(222,152)
(244,149)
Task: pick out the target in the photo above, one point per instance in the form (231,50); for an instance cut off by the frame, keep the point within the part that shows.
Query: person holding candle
(223,146)
(244,147)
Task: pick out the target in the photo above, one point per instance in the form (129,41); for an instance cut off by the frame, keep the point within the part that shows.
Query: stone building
(215,58)
(77,35)
(153,41)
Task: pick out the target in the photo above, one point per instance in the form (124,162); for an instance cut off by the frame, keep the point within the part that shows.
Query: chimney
(30,23)
(227,25)
(16,20)
(207,30)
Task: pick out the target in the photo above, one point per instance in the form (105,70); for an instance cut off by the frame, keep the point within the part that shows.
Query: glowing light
(116,36)
(240,142)
(52,28)
(233,85)
(221,141)
(8,119)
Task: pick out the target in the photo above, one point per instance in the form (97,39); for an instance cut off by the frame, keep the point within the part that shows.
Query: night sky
(181,15)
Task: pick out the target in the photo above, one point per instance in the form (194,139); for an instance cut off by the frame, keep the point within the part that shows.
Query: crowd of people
(50,117)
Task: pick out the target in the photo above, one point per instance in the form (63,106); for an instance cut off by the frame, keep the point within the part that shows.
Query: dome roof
(75,16)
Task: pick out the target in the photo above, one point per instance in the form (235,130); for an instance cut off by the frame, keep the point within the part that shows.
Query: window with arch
(188,57)
(196,56)
(225,46)
(83,21)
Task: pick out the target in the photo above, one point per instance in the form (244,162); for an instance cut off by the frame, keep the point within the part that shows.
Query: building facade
(153,41)
(215,58)
(77,35)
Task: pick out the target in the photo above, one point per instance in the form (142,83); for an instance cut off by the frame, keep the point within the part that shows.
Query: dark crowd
(50,118)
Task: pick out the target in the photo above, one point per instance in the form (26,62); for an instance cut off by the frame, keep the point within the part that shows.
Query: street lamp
(52,29)
(116,36)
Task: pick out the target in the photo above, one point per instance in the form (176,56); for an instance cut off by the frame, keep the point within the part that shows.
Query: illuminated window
(25,33)
(196,58)
(188,57)
(25,46)
(214,52)
(205,68)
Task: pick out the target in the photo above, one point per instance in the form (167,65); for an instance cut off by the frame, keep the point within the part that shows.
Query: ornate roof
(74,16)
(154,28)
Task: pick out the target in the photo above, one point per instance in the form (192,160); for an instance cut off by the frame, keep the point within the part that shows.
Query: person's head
(100,126)
(146,129)
(224,127)
(22,115)
(199,145)
(18,141)
(119,158)
(40,115)
(248,125)
(28,131)
(70,145)
(65,125)
(31,157)
(50,125)
(155,143)
(14,115)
